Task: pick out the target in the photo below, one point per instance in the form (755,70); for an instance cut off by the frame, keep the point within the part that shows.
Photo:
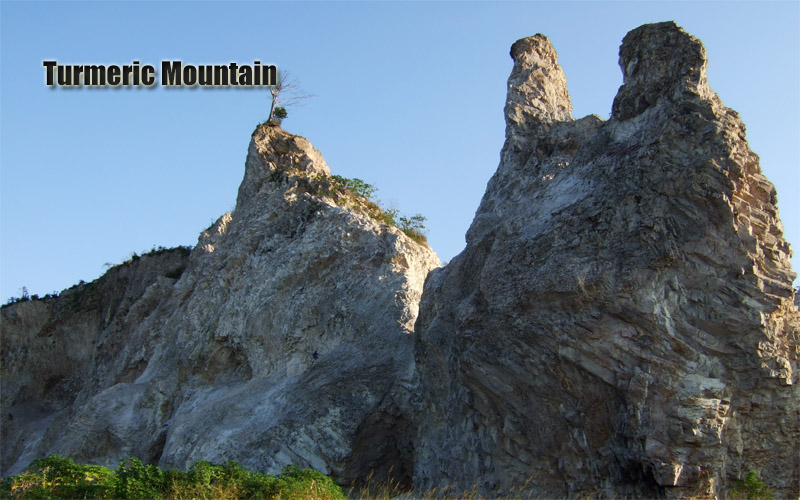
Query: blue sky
(407,96)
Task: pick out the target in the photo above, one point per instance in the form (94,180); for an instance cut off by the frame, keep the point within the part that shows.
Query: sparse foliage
(356,185)
(286,92)
(359,194)
(751,488)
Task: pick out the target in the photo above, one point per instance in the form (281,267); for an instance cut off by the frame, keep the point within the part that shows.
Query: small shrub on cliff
(751,488)
(24,298)
(356,186)
(280,113)
(356,194)
(412,226)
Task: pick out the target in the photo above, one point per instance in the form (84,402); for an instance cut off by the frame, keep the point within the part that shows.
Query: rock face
(179,357)
(621,321)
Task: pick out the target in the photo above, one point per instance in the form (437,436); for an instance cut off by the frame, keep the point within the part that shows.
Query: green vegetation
(356,194)
(356,186)
(280,113)
(24,297)
(59,477)
(751,488)
(344,189)
(414,227)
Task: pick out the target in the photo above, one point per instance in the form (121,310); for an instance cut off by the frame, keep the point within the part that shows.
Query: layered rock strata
(180,357)
(621,321)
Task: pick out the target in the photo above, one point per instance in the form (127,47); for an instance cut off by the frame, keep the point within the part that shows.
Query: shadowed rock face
(215,362)
(621,321)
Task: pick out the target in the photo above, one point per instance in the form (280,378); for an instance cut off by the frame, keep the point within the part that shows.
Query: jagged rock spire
(659,61)
(537,91)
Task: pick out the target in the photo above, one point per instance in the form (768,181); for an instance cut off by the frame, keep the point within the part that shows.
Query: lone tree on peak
(286,92)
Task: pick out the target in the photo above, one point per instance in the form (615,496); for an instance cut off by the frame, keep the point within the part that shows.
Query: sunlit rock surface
(177,358)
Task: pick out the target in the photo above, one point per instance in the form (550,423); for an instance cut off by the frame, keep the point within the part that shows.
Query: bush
(294,483)
(413,226)
(356,186)
(751,488)
(356,194)
(136,480)
(280,113)
(58,477)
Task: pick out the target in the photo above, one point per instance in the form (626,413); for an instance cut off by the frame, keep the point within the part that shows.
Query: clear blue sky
(408,96)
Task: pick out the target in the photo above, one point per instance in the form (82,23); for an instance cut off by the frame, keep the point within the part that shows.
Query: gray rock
(217,364)
(621,321)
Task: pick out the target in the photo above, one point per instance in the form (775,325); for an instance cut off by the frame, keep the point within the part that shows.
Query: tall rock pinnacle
(659,62)
(537,89)
(621,321)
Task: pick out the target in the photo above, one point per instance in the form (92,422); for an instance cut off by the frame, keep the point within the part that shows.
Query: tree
(286,92)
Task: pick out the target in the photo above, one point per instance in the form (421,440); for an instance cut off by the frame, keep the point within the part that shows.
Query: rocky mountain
(179,357)
(621,322)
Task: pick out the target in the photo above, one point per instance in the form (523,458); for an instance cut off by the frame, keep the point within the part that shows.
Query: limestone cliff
(181,357)
(621,321)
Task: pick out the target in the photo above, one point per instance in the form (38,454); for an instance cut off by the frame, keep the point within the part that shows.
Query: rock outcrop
(178,357)
(621,321)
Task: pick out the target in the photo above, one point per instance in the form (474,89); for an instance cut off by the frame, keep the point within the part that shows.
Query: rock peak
(273,149)
(539,43)
(658,61)
(537,89)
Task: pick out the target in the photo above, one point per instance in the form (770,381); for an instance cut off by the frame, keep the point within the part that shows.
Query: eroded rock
(621,321)
(218,364)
